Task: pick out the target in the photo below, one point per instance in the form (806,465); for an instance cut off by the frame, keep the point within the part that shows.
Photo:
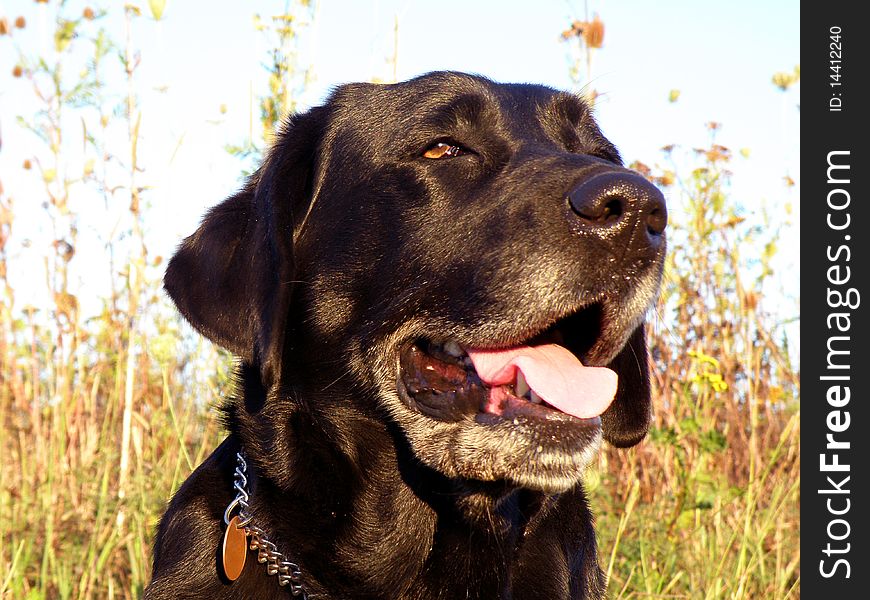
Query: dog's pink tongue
(553,373)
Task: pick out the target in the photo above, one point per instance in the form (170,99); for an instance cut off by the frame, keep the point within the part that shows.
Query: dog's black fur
(348,244)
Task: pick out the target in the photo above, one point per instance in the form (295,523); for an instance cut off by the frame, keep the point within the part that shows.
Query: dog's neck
(365,495)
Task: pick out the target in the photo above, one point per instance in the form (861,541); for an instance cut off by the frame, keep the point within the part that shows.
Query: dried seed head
(641,168)
(666,179)
(785,80)
(751,300)
(593,33)
(717,153)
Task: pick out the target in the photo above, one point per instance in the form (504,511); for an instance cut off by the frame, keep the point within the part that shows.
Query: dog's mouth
(542,378)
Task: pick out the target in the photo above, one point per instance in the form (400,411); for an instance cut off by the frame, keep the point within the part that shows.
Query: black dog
(418,281)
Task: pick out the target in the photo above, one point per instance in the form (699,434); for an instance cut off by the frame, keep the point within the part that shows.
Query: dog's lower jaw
(521,454)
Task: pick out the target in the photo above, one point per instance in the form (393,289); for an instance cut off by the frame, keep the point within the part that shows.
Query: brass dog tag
(235,549)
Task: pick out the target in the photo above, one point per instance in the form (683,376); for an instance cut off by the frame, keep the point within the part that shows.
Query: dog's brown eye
(442,150)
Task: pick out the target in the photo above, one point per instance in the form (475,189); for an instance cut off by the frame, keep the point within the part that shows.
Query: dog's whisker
(337,379)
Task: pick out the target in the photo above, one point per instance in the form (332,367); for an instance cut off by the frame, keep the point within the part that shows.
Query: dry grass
(713,510)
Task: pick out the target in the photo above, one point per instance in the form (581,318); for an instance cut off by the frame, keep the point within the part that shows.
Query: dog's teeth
(453,349)
(535,399)
(521,388)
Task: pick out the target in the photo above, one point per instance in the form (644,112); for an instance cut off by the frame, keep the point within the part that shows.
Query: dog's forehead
(444,99)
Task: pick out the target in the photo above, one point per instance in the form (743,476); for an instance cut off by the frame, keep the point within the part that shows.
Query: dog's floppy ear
(627,420)
(232,279)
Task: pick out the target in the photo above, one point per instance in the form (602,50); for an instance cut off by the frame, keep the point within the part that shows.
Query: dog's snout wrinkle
(612,205)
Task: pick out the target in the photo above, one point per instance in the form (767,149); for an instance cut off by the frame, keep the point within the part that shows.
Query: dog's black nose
(609,203)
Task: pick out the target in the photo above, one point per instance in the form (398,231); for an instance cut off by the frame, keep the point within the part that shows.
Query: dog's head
(468,260)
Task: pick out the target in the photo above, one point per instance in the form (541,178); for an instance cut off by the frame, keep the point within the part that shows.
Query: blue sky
(721,55)
(204,55)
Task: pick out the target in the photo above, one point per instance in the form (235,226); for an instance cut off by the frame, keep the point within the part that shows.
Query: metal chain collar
(288,572)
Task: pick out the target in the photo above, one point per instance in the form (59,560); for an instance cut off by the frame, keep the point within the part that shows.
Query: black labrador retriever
(436,290)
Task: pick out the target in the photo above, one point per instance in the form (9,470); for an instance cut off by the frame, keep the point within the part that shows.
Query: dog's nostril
(597,210)
(657,220)
(596,206)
